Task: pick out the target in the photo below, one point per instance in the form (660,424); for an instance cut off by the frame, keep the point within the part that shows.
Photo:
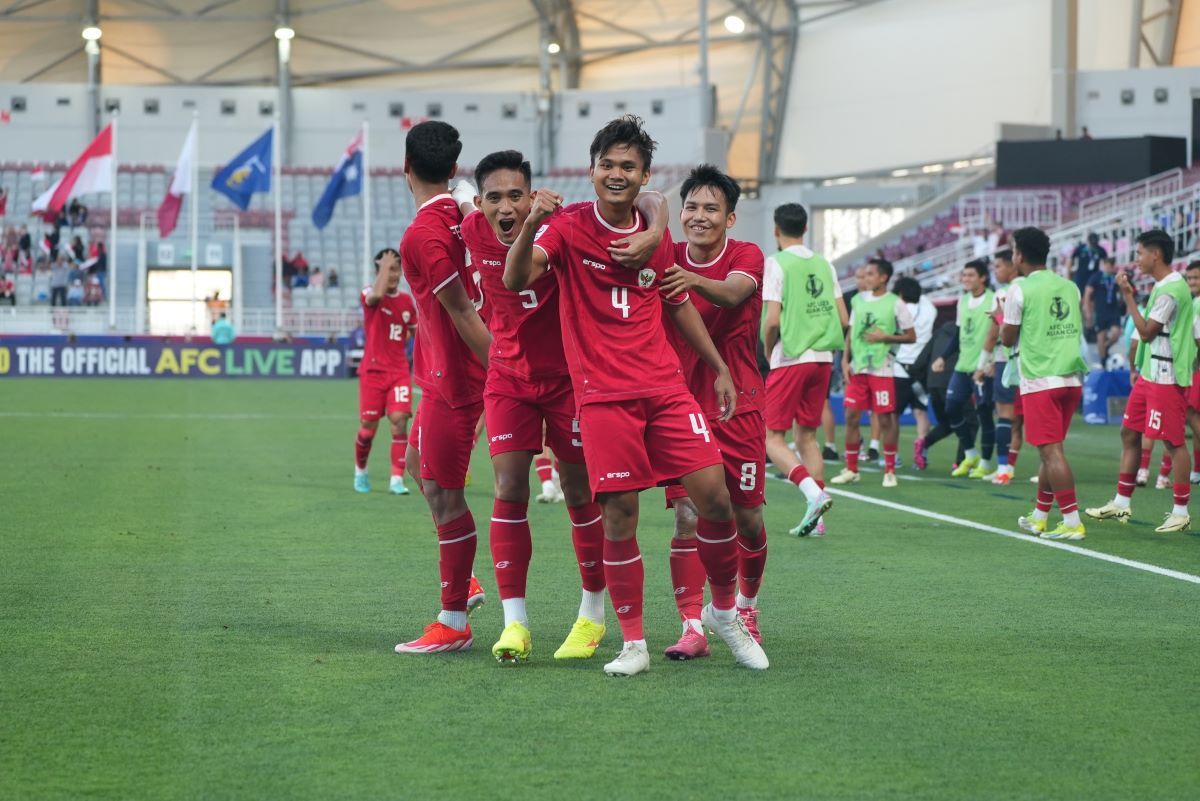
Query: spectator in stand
(316,280)
(8,290)
(301,279)
(1058,137)
(25,243)
(1085,260)
(99,269)
(77,250)
(59,277)
(75,293)
(93,292)
(332,281)
(1084,134)
(77,213)
(222,331)
(3,201)
(1103,307)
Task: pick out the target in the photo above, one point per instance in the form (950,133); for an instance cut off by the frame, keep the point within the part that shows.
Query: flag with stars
(346,181)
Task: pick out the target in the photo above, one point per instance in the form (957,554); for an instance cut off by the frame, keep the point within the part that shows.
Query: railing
(1129,196)
(63,320)
(1011,208)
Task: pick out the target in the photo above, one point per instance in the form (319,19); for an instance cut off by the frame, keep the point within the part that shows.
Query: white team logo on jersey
(539,233)
(646,278)
(405,316)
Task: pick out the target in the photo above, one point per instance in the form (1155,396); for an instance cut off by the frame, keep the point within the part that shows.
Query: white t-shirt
(773,290)
(1012,316)
(924,314)
(904,321)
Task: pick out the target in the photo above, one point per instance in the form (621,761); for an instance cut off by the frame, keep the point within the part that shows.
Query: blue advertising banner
(40,357)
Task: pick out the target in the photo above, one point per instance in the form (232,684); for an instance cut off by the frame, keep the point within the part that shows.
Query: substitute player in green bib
(878,320)
(1192,275)
(1043,311)
(1157,406)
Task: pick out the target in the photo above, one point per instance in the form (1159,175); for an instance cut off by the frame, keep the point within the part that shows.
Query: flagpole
(276,181)
(111,250)
(366,200)
(194,201)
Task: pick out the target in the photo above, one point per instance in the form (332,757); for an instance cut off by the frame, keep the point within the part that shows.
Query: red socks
(1145,463)
(687,578)
(889,460)
(1183,493)
(798,474)
(399,446)
(852,455)
(1045,501)
(625,576)
(512,547)
(1013,453)
(362,447)
(456,555)
(752,558)
(1164,467)
(1126,484)
(587,535)
(717,543)
(543,465)
(1066,501)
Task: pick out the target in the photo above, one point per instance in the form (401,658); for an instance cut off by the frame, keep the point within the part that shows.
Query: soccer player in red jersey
(448,364)
(528,400)
(384,387)
(723,277)
(640,425)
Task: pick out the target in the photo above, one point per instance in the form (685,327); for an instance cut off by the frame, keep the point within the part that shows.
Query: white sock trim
(713,542)
(456,539)
(505,520)
(637,558)
(588,523)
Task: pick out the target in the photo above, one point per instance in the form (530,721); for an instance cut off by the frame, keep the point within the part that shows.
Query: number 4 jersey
(611,315)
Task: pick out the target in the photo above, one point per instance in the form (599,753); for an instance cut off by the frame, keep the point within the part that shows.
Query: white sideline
(171,416)
(1061,546)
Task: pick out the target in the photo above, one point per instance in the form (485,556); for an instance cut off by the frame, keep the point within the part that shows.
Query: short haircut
(432,150)
(791,219)
(383,253)
(883,265)
(706,175)
(624,130)
(1194,265)
(1108,260)
(1033,244)
(1158,238)
(502,160)
(908,288)
(980,266)
(1004,254)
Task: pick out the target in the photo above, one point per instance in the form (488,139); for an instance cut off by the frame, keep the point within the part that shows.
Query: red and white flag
(181,184)
(38,175)
(91,173)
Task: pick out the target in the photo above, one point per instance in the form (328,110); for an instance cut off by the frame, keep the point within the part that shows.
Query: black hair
(791,219)
(1003,253)
(883,265)
(1158,238)
(706,175)
(1093,239)
(502,160)
(431,149)
(980,266)
(1194,265)
(1033,244)
(908,288)
(624,130)
(383,253)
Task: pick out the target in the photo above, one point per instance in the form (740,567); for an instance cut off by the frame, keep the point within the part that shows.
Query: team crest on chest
(405,316)
(646,278)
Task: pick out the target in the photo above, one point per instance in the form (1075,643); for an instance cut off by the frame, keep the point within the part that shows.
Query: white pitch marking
(170,416)
(1061,546)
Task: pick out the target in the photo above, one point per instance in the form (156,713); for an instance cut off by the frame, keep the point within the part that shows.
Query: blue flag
(345,182)
(248,172)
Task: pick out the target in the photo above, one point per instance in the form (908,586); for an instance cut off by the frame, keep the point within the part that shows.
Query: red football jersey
(733,331)
(387,325)
(433,256)
(611,315)
(526,333)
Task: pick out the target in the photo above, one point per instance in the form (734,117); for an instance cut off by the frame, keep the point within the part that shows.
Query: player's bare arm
(728,294)
(635,250)
(772,310)
(905,336)
(466,319)
(525,264)
(1009,334)
(691,325)
(389,261)
(989,346)
(847,359)
(843,315)
(1147,329)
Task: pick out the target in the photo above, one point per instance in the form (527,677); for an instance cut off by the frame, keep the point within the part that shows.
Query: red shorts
(871,393)
(1157,411)
(381,393)
(743,445)
(1193,395)
(637,443)
(1048,414)
(516,409)
(1018,404)
(797,393)
(445,438)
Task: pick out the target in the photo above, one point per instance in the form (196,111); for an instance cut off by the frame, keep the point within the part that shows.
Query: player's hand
(977,376)
(677,280)
(634,250)
(1124,284)
(875,335)
(545,203)
(939,364)
(388,260)
(847,374)
(990,370)
(726,395)
(464,192)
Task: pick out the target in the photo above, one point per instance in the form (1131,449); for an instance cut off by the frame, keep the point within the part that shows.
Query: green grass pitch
(194,604)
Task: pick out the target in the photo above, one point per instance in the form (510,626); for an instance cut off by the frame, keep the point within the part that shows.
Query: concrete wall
(1100,108)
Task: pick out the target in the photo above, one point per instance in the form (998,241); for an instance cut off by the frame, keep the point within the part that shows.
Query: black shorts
(1104,323)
